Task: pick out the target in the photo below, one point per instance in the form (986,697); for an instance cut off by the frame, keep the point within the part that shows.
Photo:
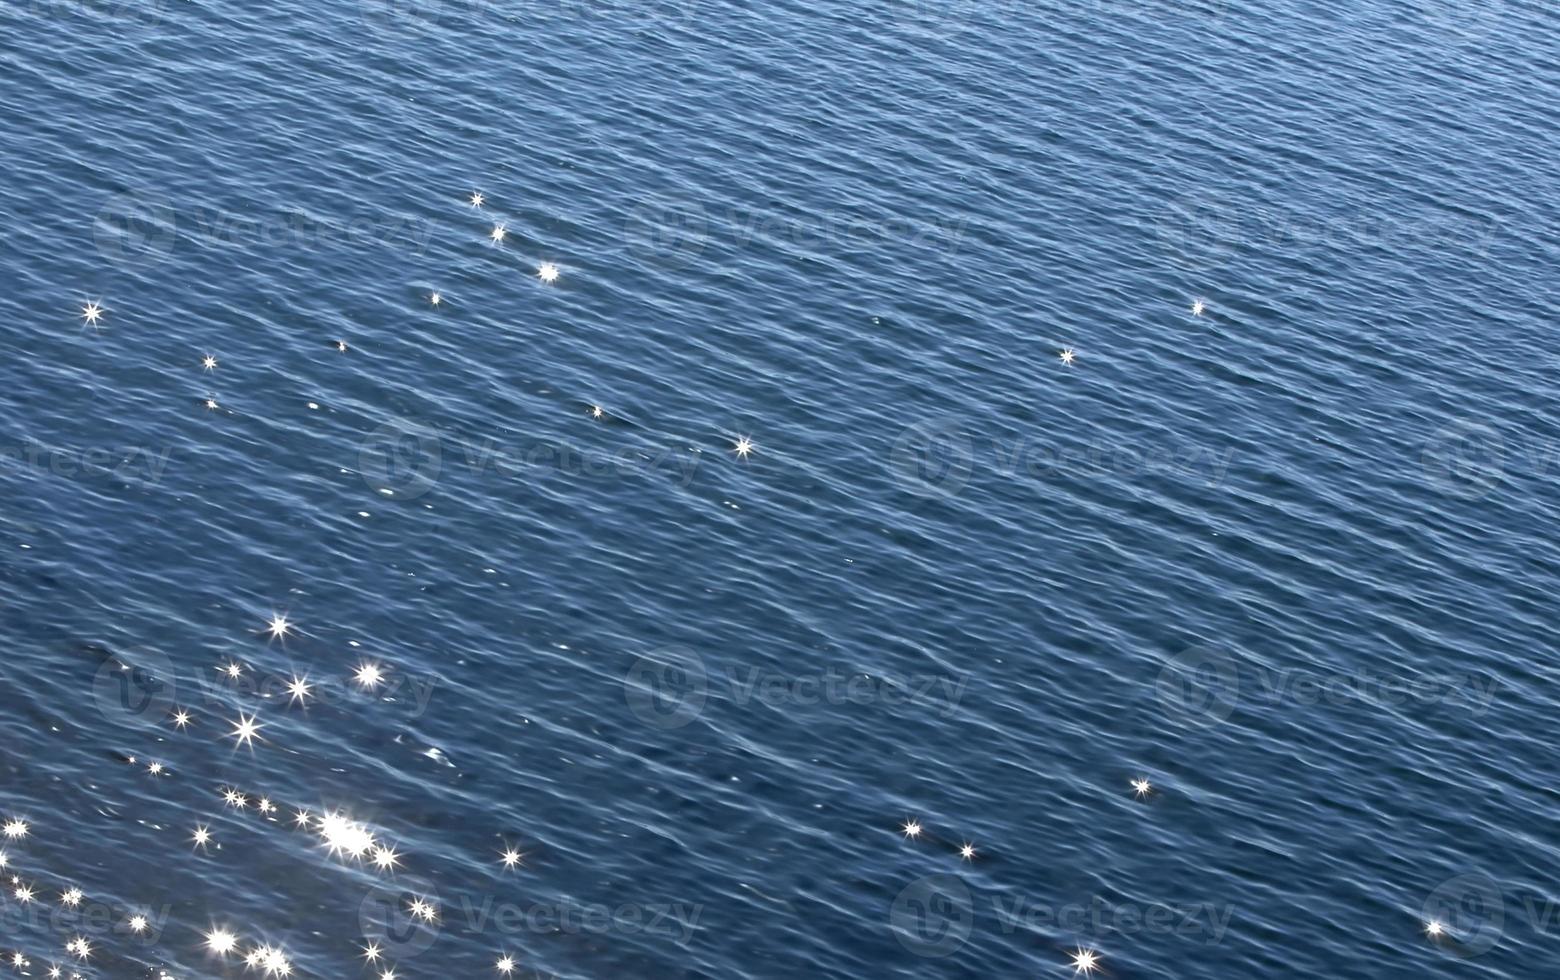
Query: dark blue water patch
(1287,558)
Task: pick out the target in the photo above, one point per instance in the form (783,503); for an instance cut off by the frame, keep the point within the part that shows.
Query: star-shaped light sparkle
(743,447)
(91,313)
(967,851)
(1067,356)
(547,272)
(221,941)
(385,858)
(511,858)
(245,729)
(497,234)
(298,689)
(208,362)
(505,965)
(1142,787)
(476,199)
(1085,961)
(369,676)
(15,828)
(911,829)
(1198,306)
(278,626)
(422,909)
(202,835)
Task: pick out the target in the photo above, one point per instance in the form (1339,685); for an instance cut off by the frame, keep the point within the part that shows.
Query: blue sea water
(1293,560)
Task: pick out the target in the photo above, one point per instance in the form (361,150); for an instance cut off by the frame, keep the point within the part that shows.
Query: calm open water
(1293,560)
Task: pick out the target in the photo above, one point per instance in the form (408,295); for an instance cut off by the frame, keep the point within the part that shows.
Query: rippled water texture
(1291,559)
